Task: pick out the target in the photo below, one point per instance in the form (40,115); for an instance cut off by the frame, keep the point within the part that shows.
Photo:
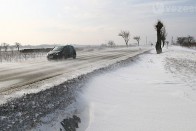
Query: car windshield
(59,48)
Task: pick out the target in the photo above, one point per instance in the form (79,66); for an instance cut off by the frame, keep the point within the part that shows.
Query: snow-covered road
(39,74)
(154,93)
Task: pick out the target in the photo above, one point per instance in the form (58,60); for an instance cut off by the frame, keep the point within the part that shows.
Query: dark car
(62,52)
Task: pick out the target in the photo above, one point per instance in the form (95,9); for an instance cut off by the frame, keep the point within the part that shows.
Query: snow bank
(143,96)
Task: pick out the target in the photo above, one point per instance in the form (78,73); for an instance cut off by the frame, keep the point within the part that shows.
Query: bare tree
(5,46)
(0,47)
(137,38)
(17,45)
(125,35)
(190,39)
(163,35)
(181,40)
(158,28)
(12,49)
(0,53)
(186,41)
(111,43)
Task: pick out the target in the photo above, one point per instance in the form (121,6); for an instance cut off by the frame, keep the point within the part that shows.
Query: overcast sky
(92,21)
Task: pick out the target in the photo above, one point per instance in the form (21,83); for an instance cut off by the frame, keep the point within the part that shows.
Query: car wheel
(74,56)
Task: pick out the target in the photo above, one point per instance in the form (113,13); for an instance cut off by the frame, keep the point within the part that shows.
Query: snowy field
(152,93)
